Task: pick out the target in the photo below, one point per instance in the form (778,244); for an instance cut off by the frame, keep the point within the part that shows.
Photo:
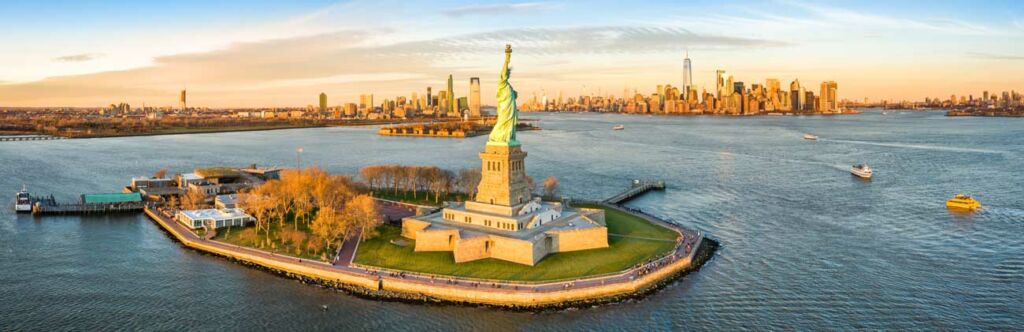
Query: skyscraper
(474,97)
(430,100)
(451,95)
(827,97)
(722,84)
(795,96)
(687,72)
(182,104)
(323,102)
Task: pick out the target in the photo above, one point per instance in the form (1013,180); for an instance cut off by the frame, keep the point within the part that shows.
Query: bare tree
(469,179)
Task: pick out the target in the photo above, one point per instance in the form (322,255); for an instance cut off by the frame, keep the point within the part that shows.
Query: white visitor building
(216,218)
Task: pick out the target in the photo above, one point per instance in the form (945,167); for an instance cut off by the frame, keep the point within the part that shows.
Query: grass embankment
(622,253)
(283,239)
(420,197)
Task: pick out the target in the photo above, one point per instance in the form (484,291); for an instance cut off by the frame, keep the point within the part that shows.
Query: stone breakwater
(358,282)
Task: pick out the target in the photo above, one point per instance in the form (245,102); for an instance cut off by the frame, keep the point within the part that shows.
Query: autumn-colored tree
(362,214)
(160,174)
(550,186)
(530,183)
(330,226)
(193,199)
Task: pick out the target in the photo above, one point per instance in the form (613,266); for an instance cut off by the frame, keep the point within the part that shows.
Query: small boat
(23,201)
(810,137)
(963,202)
(861,170)
(619,127)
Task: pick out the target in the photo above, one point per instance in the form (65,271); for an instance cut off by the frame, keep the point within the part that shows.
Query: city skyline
(284,55)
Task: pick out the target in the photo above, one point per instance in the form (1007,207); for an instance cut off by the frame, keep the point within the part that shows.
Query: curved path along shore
(408,285)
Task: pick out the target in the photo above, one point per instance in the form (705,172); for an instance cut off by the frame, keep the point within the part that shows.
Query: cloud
(497,9)
(78,57)
(990,56)
(580,40)
(836,15)
(281,72)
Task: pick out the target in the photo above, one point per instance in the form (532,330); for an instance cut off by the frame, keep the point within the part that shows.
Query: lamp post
(298,158)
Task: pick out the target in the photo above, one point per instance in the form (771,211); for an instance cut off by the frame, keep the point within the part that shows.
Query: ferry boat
(963,202)
(861,170)
(810,137)
(619,127)
(23,201)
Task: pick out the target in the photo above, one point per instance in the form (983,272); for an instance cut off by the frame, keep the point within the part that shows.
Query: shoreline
(353,281)
(366,123)
(723,115)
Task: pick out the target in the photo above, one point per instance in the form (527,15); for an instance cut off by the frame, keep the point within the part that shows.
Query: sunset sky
(284,53)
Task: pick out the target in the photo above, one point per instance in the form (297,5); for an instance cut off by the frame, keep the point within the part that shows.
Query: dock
(29,138)
(86,208)
(638,188)
(91,203)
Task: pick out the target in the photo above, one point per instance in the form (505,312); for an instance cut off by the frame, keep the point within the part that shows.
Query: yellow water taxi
(963,202)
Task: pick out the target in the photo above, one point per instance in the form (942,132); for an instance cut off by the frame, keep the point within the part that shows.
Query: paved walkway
(640,237)
(347,252)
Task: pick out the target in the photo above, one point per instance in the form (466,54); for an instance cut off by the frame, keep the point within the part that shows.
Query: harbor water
(804,245)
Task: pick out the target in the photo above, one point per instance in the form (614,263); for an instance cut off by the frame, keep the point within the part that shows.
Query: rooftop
(215,214)
(570,219)
(111,198)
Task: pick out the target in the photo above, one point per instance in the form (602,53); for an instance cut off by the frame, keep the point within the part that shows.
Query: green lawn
(421,198)
(621,254)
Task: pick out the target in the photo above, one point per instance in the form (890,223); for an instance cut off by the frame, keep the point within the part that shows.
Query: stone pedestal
(503,179)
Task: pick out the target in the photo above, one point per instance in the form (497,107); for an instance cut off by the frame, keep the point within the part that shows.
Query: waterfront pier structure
(29,138)
(638,188)
(92,203)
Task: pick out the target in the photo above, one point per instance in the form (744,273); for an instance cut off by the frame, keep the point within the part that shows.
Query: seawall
(361,283)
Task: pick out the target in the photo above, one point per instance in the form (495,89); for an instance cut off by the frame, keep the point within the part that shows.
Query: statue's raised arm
(508,57)
(504,132)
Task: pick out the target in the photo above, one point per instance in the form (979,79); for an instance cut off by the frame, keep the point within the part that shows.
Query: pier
(86,208)
(29,138)
(638,188)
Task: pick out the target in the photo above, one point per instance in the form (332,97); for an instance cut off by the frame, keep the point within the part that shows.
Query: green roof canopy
(111,198)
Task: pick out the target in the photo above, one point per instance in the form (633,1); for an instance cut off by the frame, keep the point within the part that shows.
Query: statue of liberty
(504,132)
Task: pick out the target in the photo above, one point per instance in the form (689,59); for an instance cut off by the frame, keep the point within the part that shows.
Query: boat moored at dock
(23,201)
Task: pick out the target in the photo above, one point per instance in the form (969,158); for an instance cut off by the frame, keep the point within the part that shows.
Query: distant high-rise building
(795,96)
(828,101)
(442,103)
(366,102)
(474,97)
(430,100)
(323,102)
(722,85)
(687,72)
(183,106)
(738,87)
(451,95)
